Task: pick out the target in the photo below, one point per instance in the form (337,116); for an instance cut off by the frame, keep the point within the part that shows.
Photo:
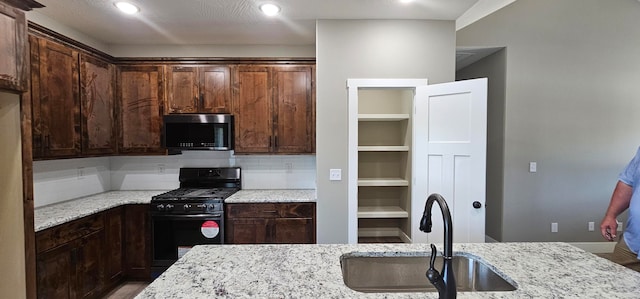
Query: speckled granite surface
(261,196)
(52,215)
(540,270)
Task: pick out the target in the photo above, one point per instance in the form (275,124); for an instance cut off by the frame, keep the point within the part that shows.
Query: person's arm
(620,200)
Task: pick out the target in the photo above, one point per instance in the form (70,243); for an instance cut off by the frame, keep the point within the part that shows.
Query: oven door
(173,235)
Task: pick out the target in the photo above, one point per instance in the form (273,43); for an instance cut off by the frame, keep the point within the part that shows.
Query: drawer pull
(270,211)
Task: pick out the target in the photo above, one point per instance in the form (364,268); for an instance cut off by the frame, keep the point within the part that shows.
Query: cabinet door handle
(74,256)
(46,141)
(201,100)
(276,138)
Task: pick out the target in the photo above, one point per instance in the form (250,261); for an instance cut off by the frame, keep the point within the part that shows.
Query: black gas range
(192,214)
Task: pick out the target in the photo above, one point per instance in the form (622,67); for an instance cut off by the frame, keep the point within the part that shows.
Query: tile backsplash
(60,180)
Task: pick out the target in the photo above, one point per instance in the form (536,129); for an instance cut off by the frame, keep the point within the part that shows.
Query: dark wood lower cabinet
(114,247)
(86,258)
(69,259)
(137,242)
(270,223)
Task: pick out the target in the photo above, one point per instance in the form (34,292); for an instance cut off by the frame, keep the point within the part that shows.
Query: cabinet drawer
(271,210)
(64,233)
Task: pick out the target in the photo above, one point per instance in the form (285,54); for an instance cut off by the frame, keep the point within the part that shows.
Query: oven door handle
(217,215)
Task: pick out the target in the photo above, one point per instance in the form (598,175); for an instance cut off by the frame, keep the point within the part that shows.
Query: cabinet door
(113,255)
(97,84)
(140,95)
(89,270)
(55,99)
(252,110)
(215,89)
(293,109)
(293,231)
(13,46)
(183,95)
(55,270)
(137,242)
(247,231)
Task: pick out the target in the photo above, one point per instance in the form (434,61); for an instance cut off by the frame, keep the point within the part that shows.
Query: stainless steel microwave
(198,132)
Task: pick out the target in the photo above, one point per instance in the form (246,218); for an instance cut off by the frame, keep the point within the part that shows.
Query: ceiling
(231,22)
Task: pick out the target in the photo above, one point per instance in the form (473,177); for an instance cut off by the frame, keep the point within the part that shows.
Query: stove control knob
(186,206)
(160,207)
(169,207)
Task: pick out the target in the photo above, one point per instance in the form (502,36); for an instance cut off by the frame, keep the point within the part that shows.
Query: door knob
(477,204)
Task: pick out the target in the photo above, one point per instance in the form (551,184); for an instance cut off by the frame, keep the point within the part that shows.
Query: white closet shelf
(383,117)
(382,212)
(382,182)
(383,148)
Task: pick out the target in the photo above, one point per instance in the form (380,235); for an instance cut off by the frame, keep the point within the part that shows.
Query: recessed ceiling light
(406,1)
(270,9)
(127,7)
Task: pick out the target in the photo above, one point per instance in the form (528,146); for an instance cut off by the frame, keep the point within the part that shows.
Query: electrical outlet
(554,227)
(335,174)
(592,226)
(288,166)
(533,167)
(80,173)
(161,168)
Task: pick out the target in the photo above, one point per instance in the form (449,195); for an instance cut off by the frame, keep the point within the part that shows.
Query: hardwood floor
(127,290)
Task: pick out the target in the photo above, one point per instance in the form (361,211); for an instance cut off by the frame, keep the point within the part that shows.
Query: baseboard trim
(595,247)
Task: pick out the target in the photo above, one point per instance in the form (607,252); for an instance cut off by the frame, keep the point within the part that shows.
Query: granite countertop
(59,213)
(277,195)
(540,270)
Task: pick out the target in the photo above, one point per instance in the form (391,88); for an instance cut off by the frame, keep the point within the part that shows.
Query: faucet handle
(434,251)
(433,275)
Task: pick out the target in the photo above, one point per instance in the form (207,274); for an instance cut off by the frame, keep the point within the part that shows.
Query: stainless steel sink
(406,273)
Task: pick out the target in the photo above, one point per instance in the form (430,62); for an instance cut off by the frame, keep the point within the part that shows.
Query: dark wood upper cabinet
(252,109)
(140,95)
(97,96)
(13,46)
(198,89)
(274,109)
(55,99)
(293,109)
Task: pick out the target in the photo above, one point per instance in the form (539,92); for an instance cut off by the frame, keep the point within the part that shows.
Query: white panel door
(450,133)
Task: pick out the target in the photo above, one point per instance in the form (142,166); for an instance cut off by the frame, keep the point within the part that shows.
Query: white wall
(61,180)
(572,73)
(365,49)
(12,263)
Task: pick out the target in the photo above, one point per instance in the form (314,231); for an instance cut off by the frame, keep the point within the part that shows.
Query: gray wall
(493,67)
(572,73)
(366,49)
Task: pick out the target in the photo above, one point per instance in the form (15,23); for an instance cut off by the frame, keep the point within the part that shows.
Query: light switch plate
(533,166)
(335,174)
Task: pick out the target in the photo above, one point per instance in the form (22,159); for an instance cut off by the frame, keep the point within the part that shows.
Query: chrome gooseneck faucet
(444,280)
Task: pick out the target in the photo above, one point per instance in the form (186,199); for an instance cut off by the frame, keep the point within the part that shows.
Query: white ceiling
(237,22)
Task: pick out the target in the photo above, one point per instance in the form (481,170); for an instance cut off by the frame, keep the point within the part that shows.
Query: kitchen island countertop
(540,270)
(59,213)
